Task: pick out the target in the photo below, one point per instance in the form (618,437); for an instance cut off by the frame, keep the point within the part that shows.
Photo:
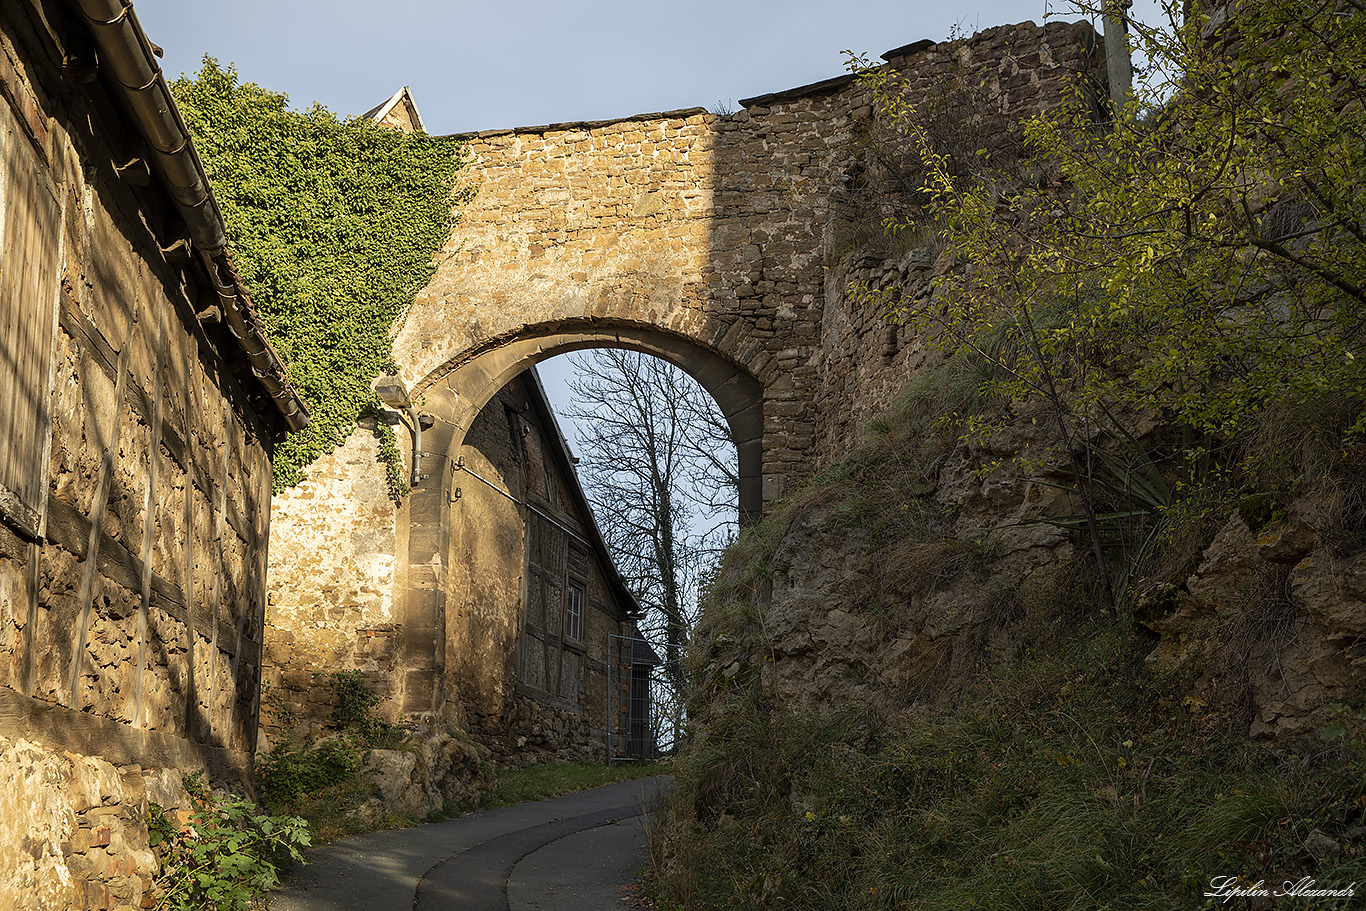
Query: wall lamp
(394,394)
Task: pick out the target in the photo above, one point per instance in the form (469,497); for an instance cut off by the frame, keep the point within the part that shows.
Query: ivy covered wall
(334,224)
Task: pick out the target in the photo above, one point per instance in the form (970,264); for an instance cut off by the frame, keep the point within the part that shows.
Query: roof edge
(131,72)
(580,124)
(566,462)
(381,110)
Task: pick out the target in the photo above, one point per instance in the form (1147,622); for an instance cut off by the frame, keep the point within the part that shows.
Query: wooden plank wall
(29,253)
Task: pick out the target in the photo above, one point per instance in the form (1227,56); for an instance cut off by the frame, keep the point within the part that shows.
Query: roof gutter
(129,57)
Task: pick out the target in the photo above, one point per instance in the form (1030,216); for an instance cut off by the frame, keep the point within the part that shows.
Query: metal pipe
(417,445)
(129,59)
(459,465)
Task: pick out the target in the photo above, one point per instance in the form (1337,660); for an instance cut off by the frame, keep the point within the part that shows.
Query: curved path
(577,852)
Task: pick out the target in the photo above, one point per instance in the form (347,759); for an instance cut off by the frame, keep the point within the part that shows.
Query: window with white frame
(574,597)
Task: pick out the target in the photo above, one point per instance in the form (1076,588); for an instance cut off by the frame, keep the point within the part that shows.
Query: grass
(329,810)
(555,779)
(1071,778)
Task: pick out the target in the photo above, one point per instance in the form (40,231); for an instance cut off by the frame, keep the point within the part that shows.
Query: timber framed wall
(135,484)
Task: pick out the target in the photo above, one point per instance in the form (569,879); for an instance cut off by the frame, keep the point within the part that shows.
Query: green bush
(291,769)
(226,857)
(319,775)
(354,715)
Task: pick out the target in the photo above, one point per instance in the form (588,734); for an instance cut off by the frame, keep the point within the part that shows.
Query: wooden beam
(69,529)
(92,343)
(88,589)
(189,348)
(151,507)
(220,522)
(30,667)
(63,729)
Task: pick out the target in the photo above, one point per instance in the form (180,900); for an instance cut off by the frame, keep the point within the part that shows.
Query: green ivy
(391,457)
(333,225)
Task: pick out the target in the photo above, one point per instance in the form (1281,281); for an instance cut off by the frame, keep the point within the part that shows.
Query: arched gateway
(664,233)
(711,241)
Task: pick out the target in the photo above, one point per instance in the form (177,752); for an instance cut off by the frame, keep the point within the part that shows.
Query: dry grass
(1071,779)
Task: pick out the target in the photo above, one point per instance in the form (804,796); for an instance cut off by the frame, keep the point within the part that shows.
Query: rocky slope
(912,657)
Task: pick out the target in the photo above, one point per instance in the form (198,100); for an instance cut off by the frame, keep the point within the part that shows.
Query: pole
(1118,66)
(608,675)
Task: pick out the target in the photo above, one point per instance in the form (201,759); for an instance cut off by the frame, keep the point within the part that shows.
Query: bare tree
(658,465)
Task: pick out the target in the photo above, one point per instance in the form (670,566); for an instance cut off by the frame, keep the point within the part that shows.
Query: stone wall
(502,672)
(334,556)
(73,828)
(528,731)
(712,241)
(704,239)
(131,609)
(1011,73)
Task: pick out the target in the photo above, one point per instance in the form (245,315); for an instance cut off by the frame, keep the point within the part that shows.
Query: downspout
(130,59)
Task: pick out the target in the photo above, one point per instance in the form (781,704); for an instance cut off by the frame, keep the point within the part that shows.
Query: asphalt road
(579,852)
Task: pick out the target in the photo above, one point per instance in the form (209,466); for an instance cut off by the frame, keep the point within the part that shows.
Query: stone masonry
(711,241)
(704,239)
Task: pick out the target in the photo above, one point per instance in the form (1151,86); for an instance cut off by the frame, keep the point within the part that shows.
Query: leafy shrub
(355,716)
(291,769)
(320,776)
(226,857)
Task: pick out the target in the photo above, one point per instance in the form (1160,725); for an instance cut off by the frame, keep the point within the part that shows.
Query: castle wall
(716,242)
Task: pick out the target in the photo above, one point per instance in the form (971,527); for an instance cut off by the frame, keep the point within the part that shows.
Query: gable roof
(403,98)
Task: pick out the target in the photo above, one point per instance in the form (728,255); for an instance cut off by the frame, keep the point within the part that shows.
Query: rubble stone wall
(528,731)
(73,828)
(335,558)
(1013,72)
(714,231)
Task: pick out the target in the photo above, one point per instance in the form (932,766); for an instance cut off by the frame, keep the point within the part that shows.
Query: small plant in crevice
(355,716)
(320,774)
(389,454)
(226,856)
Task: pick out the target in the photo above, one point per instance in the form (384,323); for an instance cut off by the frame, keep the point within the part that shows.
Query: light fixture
(393,393)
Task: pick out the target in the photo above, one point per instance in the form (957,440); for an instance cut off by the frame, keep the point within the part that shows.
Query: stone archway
(676,234)
(717,242)
(454,393)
